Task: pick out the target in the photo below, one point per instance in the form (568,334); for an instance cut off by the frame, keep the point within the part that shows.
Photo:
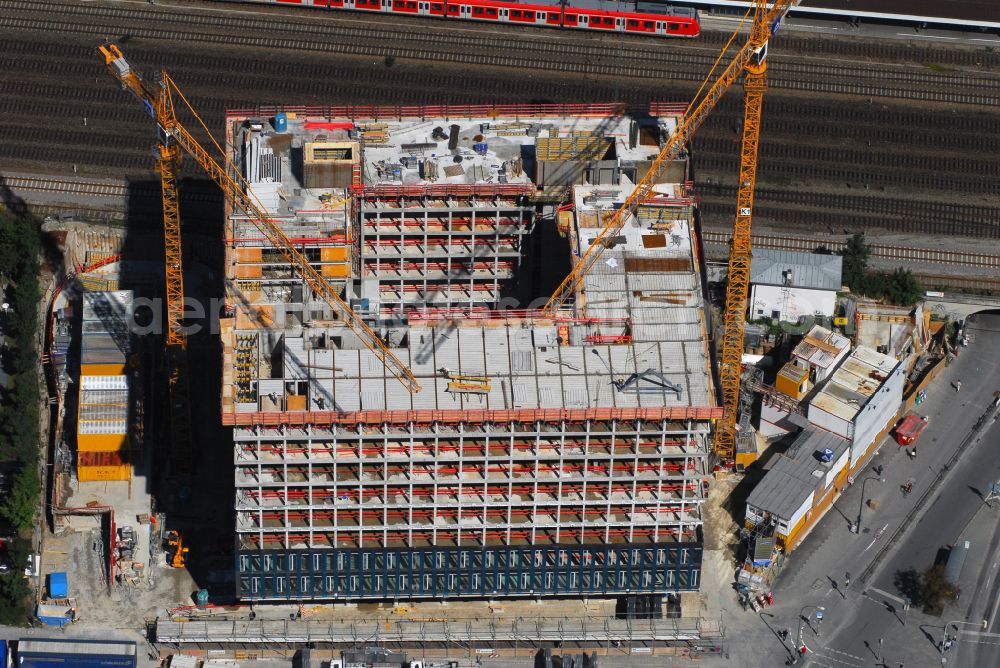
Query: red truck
(909,428)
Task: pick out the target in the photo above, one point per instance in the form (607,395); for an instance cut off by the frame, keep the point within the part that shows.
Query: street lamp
(944,639)
(861,503)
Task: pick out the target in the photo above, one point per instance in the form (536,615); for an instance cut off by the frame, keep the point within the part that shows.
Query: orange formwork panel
(252,254)
(333,254)
(336,270)
(249,271)
(296,402)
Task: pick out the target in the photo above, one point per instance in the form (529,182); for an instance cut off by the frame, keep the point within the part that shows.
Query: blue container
(201,597)
(480,148)
(58,585)
(281,122)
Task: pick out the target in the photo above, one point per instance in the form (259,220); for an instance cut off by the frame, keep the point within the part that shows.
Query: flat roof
(854,383)
(796,473)
(635,340)
(75,646)
(814,271)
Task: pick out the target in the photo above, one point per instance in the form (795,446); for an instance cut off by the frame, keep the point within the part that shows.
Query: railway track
(806,209)
(591,58)
(901,254)
(91,188)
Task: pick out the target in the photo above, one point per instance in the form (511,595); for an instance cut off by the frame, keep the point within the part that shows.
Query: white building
(860,400)
(788,286)
(812,361)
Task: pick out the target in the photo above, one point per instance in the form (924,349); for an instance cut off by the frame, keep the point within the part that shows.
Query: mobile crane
(173,137)
(751,61)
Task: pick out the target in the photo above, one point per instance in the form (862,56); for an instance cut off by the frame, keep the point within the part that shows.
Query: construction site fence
(446,189)
(527,631)
(553,415)
(423,112)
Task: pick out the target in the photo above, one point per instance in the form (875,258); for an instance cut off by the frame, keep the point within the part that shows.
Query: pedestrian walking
(847,580)
(958,386)
(912,453)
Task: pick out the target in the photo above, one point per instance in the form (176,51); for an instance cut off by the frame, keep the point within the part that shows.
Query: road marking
(993,613)
(909,34)
(817,656)
(885,594)
(837,651)
(878,534)
(979,634)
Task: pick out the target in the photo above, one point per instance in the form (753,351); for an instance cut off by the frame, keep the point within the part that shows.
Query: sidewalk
(816,570)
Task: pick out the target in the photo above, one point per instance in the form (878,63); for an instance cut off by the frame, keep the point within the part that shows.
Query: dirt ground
(123,608)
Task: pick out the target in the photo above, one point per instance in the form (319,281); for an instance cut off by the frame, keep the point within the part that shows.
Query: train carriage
(638,16)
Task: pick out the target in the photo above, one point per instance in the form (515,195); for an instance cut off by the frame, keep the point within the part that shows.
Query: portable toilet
(58,585)
(280,122)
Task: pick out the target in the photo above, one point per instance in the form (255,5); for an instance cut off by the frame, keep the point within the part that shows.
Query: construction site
(465,354)
(532,454)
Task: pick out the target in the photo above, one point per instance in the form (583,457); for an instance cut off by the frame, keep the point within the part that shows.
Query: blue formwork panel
(564,571)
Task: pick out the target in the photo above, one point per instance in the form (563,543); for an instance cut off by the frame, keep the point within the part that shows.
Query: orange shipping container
(101,442)
(102,369)
(103,473)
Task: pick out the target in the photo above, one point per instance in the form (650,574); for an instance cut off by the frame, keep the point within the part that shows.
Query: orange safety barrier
(446,111)
(521,415)
(495,444)
(445,189)
(349,490)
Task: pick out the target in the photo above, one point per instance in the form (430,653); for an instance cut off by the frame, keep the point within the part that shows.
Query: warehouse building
(542,456)
(787,286)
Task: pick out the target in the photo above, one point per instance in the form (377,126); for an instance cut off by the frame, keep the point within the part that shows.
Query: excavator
(175,549)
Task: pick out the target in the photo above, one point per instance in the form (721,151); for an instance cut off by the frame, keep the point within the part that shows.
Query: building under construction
(563,455)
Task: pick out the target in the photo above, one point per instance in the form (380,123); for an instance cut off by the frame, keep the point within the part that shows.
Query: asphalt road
(862,620)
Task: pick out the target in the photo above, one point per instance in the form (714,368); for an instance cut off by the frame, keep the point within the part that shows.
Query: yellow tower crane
(750,60)
(159,102)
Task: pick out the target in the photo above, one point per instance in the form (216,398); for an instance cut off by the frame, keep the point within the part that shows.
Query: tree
(15,591)
(855,266)
(936,590)
(899,287)
(19,508)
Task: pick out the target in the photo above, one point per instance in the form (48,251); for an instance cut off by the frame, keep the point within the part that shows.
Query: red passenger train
(635,16)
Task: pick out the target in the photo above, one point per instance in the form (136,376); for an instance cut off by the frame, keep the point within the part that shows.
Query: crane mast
(751,61)
(160,105)
(740,249)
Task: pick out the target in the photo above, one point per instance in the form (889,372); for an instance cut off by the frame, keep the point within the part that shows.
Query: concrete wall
(792,303)
(881,408)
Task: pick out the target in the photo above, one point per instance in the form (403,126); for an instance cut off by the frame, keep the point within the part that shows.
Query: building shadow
(197,502)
